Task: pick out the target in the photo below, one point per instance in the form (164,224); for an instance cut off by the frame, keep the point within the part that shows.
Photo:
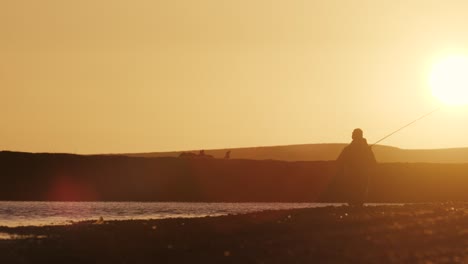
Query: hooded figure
(355,164)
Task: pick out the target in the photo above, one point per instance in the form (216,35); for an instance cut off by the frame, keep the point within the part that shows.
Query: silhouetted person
(227,155)
(355,164)
(187,155)
(203,155)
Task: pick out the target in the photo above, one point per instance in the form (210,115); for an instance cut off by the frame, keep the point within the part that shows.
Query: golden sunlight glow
(449,80)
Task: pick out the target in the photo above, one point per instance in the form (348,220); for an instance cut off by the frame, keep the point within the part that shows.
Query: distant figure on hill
(227,155)
(355,165)
(187,155)
(203,155)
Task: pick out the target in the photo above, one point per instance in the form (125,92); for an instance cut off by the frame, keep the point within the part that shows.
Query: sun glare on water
(449,80)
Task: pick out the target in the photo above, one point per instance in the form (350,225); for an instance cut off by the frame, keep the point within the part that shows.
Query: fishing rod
(389,135)
(405,126)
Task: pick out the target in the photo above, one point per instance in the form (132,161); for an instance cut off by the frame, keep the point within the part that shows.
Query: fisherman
(355,165)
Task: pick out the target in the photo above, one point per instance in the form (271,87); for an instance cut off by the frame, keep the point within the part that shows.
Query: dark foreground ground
(427,233)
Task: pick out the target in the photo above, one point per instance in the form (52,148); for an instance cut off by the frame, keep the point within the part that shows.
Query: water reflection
(61,213)
(12,236)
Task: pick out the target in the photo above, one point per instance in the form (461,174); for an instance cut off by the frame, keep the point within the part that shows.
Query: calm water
(59,213)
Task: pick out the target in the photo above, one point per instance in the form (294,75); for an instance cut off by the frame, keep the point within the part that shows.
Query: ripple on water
(63,213)
(13,236)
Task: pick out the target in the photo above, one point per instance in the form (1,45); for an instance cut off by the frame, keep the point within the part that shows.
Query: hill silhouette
(316,152)
(66,177)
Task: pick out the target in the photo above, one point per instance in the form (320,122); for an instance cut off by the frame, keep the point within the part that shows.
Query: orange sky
(94,76)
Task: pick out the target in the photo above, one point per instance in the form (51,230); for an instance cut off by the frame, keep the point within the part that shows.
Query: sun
(449,80)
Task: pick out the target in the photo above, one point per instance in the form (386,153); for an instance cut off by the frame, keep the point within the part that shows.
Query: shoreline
(38,213)
(416,233)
